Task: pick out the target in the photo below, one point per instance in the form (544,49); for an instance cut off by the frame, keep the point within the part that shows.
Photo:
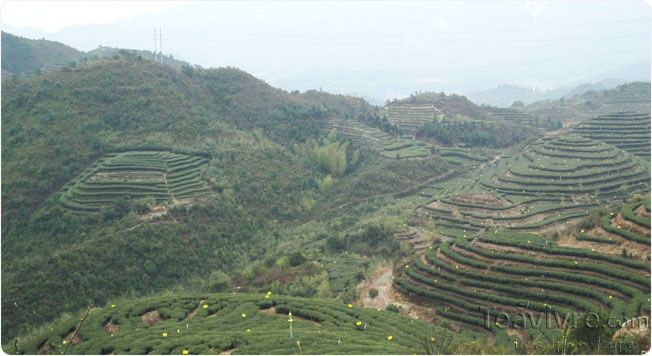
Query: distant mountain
(22,55)
(634,97)
(27,32)
(506,95)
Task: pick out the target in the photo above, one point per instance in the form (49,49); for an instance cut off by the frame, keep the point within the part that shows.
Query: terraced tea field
(467,278)
(632,93)
(410,148)
(626,130)
(239,324)
(625,228)
(550,182)
(509,114)
(162,175)
(409,117)
(356,132)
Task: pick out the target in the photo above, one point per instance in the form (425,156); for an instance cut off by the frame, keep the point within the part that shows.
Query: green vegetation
(147,188)
(407,118)
(626,130)
(454,275)
(475,133)
(24,56)
(242,324)
(632,97)
(104,135)
(158,175)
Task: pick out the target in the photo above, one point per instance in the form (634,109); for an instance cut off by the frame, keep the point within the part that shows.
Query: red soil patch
(111,328)
(487,199)
(151,318)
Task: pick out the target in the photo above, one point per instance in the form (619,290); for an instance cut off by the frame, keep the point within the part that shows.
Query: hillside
(506,95)
(195,208)
(634,97)
(24,56)
(467,274)
(195,170)
(452,106)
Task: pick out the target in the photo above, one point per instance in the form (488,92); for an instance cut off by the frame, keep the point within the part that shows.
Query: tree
(218,281)
(324,289)
(326,184)
(297,258)
(592,329)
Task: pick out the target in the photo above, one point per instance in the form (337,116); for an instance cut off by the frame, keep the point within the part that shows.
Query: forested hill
(22,55)
(237,167)
(55,124)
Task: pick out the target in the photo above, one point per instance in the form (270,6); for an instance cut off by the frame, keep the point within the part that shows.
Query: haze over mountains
(386,50)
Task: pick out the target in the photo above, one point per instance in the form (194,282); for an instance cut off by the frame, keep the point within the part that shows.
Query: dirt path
(382,281)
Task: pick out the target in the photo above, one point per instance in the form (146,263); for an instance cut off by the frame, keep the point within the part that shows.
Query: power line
(375,43)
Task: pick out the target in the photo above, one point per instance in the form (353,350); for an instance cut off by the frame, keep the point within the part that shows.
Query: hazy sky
(52,16)
(375,49)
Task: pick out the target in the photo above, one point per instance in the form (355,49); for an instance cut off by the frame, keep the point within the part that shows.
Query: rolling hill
(195,208)
(185,167)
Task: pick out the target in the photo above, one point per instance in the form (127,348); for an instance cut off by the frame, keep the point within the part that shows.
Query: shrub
(392,308)
(326,185)
(218,281)
(297,258)
(373,293)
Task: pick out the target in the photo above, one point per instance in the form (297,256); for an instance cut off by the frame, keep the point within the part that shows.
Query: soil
(637,250)
(111,328)
(628,225)
(44,349)
(151,318)
(272,311)
(642,212)
(76,340)
(487,199)
(194,311)
(416,237)
(637,328)
(156,211)
(229,351)
(381,279)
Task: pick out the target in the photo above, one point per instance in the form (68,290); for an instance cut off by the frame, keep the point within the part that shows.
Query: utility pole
(155,44)
(160,37)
